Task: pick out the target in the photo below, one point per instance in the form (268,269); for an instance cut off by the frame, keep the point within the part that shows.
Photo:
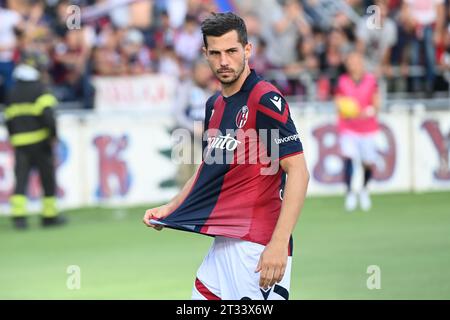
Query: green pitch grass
(407,236)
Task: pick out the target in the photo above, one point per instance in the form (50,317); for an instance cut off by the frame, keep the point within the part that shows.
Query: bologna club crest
(242,117)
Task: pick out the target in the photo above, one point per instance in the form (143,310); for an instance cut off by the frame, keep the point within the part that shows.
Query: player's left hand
(157,213)
(272,264)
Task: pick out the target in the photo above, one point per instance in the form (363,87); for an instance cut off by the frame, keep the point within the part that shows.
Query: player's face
(227,57)
(355,64)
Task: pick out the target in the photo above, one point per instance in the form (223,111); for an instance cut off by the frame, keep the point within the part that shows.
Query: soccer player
(249,207)
(357,101)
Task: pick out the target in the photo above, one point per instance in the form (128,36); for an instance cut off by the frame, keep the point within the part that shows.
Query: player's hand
(437,37)
(369,112)
(272,264)
(155,213)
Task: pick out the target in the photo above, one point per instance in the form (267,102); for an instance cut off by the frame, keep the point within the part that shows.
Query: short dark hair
(217,24)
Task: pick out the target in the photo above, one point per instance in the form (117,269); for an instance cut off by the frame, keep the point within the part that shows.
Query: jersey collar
(248,84)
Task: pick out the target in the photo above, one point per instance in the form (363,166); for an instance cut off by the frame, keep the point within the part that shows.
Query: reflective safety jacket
(29,114)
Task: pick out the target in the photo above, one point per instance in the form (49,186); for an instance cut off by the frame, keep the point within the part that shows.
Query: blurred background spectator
(424,21)
(300,45)
(189,112)
(376,38)
(10,22)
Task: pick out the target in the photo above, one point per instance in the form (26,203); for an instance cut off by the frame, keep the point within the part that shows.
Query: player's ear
(248,51)
(205,52)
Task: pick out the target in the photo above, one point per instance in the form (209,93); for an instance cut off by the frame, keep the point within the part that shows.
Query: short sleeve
(276,129)
(373,78)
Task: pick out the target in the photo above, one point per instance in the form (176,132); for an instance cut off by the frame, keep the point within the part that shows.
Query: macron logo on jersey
(276,100)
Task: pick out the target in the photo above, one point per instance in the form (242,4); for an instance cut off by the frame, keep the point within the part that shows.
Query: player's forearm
(386,57)
(376,102)
(293,199)
(176,201)
(440,19)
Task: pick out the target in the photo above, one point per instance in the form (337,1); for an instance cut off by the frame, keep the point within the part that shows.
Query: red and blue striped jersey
(237,191)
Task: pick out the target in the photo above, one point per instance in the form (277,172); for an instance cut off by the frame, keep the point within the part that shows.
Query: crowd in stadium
(295,41)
